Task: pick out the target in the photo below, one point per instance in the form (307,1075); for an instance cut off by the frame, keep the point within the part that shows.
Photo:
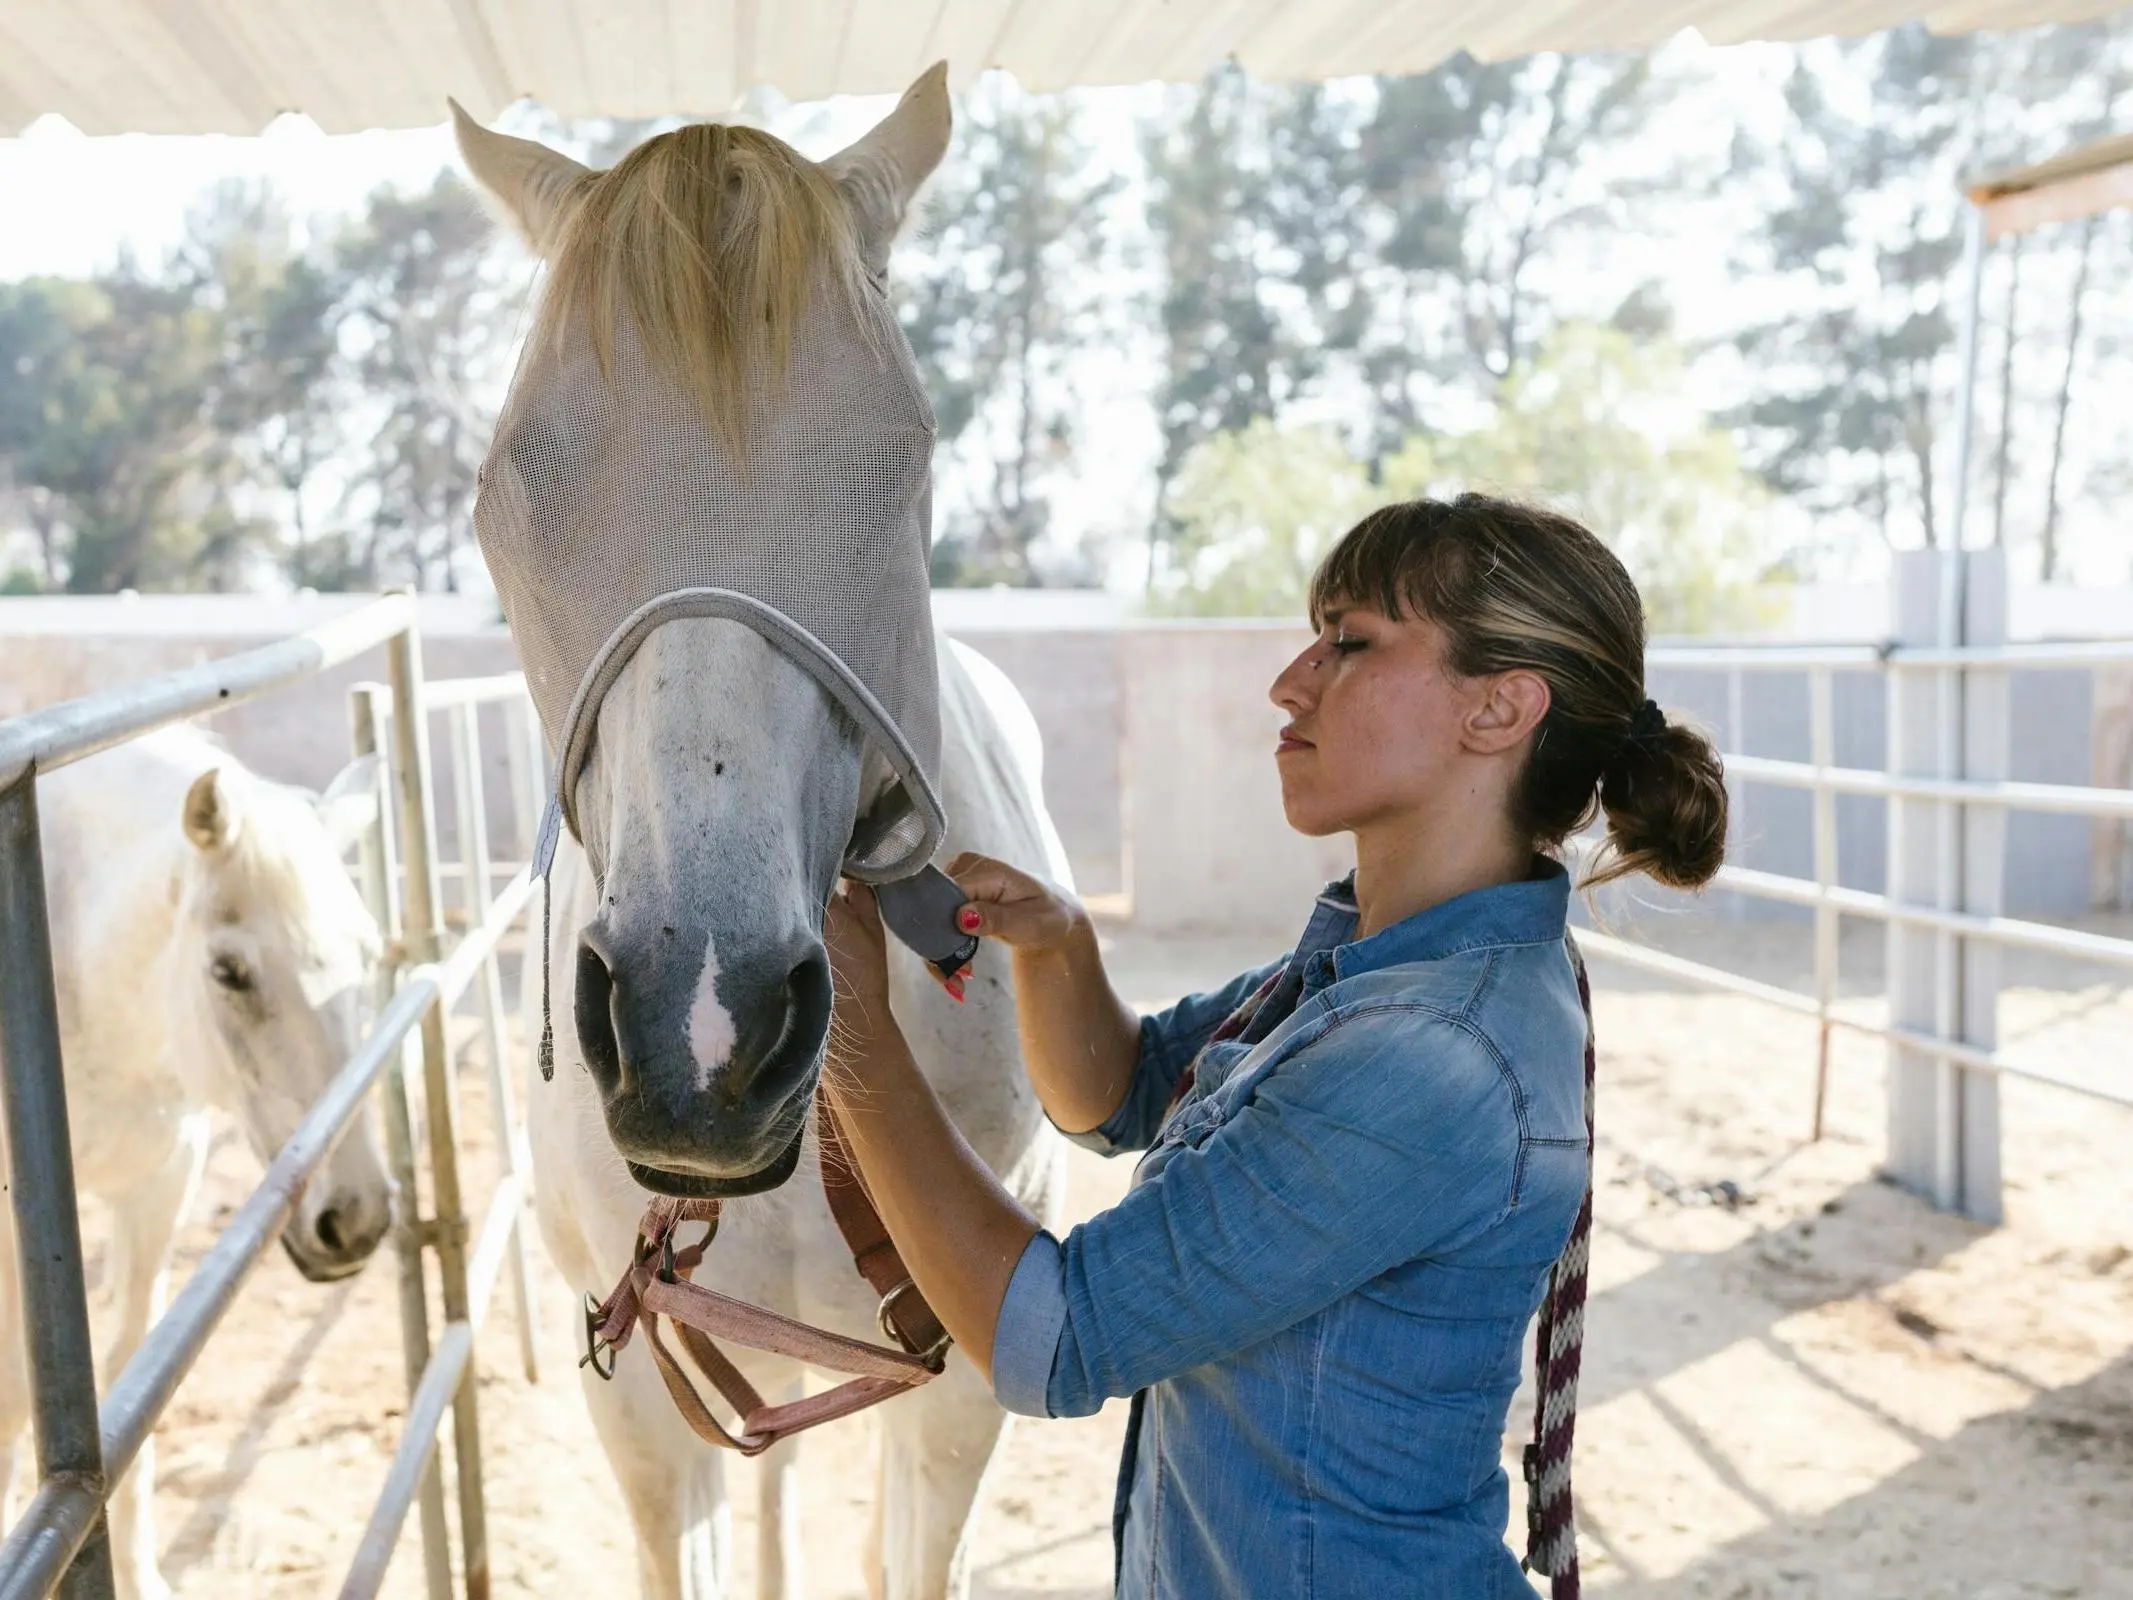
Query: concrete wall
(1207,847)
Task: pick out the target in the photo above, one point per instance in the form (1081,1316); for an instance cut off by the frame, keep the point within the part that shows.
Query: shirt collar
(1533,911)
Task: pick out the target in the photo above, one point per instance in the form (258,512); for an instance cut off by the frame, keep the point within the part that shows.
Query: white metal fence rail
(58,1545)
(1952,1041)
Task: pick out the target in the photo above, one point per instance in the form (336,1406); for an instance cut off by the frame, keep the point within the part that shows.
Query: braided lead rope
(1558,1350)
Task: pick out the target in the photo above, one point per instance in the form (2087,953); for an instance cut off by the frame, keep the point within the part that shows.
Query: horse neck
(971,1054)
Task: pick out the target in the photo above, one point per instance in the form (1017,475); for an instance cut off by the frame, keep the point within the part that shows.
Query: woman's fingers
(1008,905)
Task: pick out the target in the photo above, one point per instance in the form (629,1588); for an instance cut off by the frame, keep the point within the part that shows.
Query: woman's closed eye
(1347,644)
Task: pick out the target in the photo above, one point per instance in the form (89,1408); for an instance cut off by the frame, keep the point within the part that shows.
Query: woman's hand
(859,964)
(1024,913)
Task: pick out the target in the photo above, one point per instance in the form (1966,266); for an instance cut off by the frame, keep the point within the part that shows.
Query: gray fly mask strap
(898,835)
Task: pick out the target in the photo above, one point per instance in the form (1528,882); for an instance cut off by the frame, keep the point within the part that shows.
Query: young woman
(1364,1159)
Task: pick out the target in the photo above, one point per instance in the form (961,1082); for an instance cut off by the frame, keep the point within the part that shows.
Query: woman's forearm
(1079,1040)
(960,1234)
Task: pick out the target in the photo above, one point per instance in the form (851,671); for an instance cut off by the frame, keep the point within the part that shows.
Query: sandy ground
(1828,1391)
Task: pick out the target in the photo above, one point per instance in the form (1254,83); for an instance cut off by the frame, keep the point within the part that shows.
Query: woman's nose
(1294,690)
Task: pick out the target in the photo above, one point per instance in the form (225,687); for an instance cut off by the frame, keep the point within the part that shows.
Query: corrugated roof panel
(1186,42)
(628,63)
(537,42)
(229,65)
(122,69)
(966,34)
(798,42)
(703,38)
(1044,42)
(886,45)
(294,64)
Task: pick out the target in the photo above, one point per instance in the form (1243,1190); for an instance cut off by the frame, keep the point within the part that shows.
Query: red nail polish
(967,919)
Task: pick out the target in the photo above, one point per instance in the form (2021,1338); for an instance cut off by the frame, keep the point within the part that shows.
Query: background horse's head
(273,958)
(714,332)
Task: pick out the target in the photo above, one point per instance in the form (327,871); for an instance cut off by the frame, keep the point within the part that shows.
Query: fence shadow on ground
(194,1539)
(2025,1493)
(1691,1305)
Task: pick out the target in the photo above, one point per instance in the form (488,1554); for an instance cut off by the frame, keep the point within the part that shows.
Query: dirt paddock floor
(1829,1390)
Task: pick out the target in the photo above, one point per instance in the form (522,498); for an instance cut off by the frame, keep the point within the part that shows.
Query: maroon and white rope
(1558,1349)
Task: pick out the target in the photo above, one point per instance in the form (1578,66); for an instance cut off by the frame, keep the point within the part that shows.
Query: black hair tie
(1646,724)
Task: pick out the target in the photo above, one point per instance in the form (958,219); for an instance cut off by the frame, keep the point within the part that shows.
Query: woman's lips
(1292,741)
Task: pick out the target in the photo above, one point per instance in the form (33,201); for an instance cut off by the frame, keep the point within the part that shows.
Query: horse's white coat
(167,887)
(782,1249)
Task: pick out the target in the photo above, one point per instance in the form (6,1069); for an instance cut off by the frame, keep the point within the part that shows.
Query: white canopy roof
(231,66)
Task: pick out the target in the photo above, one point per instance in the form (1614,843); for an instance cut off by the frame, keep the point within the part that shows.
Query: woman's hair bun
(1664,794)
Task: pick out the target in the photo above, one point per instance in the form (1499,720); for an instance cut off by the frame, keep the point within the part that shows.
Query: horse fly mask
(607,509)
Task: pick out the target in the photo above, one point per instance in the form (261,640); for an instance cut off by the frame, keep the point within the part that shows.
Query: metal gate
(59,1543)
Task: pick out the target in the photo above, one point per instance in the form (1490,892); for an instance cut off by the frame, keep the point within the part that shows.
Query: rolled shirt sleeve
(1026,1336)
(1169,1041)
(1385,1136)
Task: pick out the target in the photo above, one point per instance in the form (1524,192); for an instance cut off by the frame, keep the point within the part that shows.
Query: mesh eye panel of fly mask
(608,508)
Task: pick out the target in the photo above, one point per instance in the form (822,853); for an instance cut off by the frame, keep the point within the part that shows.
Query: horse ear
(528,183)
(210,813)
(884,168)
(349,807)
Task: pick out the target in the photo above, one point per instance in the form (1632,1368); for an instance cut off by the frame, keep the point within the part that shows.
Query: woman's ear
(1512,708)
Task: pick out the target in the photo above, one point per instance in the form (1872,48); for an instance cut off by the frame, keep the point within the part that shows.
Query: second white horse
(209,950)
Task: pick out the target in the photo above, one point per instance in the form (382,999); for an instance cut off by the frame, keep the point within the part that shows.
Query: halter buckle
(595,1346)
(934,1355)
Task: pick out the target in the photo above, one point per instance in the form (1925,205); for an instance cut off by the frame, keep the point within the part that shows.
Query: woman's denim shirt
(1318,1287)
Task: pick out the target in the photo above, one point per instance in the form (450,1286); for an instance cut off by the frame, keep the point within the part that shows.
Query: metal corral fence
(1948,801)
(59,1543)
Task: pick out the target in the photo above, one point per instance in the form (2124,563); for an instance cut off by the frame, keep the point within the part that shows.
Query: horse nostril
(784,1028)
(807,999)
(329,1231)
(594,1012)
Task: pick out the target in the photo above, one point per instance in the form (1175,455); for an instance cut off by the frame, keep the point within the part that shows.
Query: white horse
(691,995)
(209,950)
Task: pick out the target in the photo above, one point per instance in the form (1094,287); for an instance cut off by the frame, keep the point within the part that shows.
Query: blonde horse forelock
(710,239)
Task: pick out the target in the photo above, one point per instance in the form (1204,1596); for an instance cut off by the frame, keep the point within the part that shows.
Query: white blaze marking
(710,1029)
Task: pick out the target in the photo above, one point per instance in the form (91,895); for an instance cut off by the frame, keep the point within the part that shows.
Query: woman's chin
(1312,821)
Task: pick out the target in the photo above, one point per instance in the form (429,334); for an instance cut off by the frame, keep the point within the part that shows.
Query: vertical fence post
(1920,974)
(380,889)
(528,764)
(55,1306)
(1737,806)
(411,751)
(1944,1119)
(473,803)
(1984,846)
(1822,736)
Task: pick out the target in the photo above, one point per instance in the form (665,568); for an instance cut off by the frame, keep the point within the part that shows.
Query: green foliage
(1594,424)
(1255,510)
(429,325)
(1855,379)
(108,436)
(1381,243)
(1005,288)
